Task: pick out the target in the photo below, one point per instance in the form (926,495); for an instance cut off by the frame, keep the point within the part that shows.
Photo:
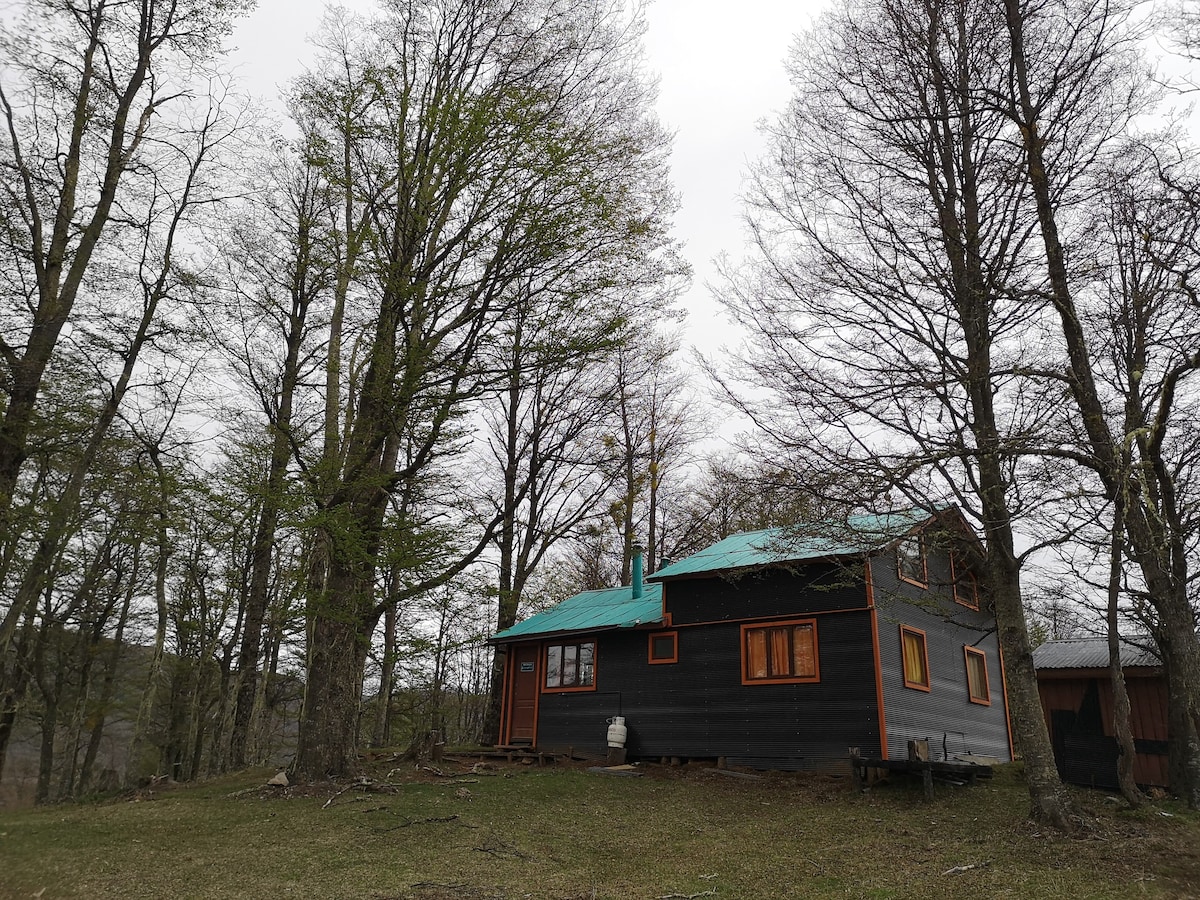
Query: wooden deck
(927,770)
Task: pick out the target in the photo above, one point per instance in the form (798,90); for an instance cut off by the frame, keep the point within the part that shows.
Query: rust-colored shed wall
(1147,718)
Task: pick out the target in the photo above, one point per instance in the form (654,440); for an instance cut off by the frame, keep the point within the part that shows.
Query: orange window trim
(662,661)
(883,747)
(924,582)
(917,633)
(506,697)
(568,690)
(1004,697)
(790,679)
(985,699)
(966,586)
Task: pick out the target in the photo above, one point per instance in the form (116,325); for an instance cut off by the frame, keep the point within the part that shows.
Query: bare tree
(282,271)
(653,428)
(892,309)
(1071,106)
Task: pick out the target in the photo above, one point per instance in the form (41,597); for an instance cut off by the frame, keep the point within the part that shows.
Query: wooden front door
(522,721)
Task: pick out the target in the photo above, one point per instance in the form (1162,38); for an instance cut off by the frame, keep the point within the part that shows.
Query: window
(966,585)
(910,560)
(571,666)
(977,677)
(780,652)
(664,647)
(916,658)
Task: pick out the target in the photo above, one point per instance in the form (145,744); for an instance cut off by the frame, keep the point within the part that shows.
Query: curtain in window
(804,663)
(914,658)
(977,682)
(781,655)
(756,653)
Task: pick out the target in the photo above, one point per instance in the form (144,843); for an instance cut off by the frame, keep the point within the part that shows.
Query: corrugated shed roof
(592,611)
(1088,653)
(812,540)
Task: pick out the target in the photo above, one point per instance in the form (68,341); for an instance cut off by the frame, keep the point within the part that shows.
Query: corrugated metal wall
(812,587)
(944,714)
(698,707)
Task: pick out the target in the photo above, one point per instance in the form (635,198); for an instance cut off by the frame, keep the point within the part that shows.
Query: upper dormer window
(966,588)
(910,560)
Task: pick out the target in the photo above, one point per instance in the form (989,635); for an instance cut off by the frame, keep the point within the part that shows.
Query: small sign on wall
(526,667)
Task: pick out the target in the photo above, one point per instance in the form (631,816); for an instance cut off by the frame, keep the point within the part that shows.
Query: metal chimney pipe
(637,571)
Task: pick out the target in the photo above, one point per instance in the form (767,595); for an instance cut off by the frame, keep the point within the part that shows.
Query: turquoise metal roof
(617,608)
(811,540)
(592,611)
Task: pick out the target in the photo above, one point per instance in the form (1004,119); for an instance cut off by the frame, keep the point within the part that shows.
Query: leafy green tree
(495,134)
(90,149)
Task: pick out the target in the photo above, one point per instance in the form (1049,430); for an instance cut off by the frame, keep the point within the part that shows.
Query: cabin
(1077,701)
(776,649)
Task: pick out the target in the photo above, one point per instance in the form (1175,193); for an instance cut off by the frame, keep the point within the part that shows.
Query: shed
(1077,701)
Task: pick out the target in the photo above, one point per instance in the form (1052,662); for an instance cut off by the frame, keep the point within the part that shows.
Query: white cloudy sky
(721,71)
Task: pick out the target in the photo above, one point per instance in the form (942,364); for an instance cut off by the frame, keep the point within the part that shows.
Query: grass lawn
(516,832)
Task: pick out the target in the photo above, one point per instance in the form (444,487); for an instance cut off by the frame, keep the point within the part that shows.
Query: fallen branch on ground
(365,784)
(430,820)
(958,870)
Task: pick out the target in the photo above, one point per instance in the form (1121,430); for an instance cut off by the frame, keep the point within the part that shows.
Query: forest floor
(502,831)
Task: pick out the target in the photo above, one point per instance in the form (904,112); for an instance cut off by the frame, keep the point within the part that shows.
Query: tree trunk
(382,735)
(960,221)
(51,693)
(108,687)
(13,691)
(1149,544)
(1126,750)
(508,600)
(327,746)
(1049,801)
(264,539)
(154,673)
(1183,746)
(41,793)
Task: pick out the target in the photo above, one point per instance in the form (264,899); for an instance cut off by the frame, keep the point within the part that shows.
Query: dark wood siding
(1079,710)
(944,714)
(815,587)
(699,708)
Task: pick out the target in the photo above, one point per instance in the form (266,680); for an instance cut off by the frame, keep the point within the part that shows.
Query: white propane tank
(617,731)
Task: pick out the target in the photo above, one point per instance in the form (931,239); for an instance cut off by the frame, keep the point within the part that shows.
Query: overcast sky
(721,72)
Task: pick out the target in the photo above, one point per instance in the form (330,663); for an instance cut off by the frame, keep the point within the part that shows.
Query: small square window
(664,647)
(910,560)
(977,677)
(916,658)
